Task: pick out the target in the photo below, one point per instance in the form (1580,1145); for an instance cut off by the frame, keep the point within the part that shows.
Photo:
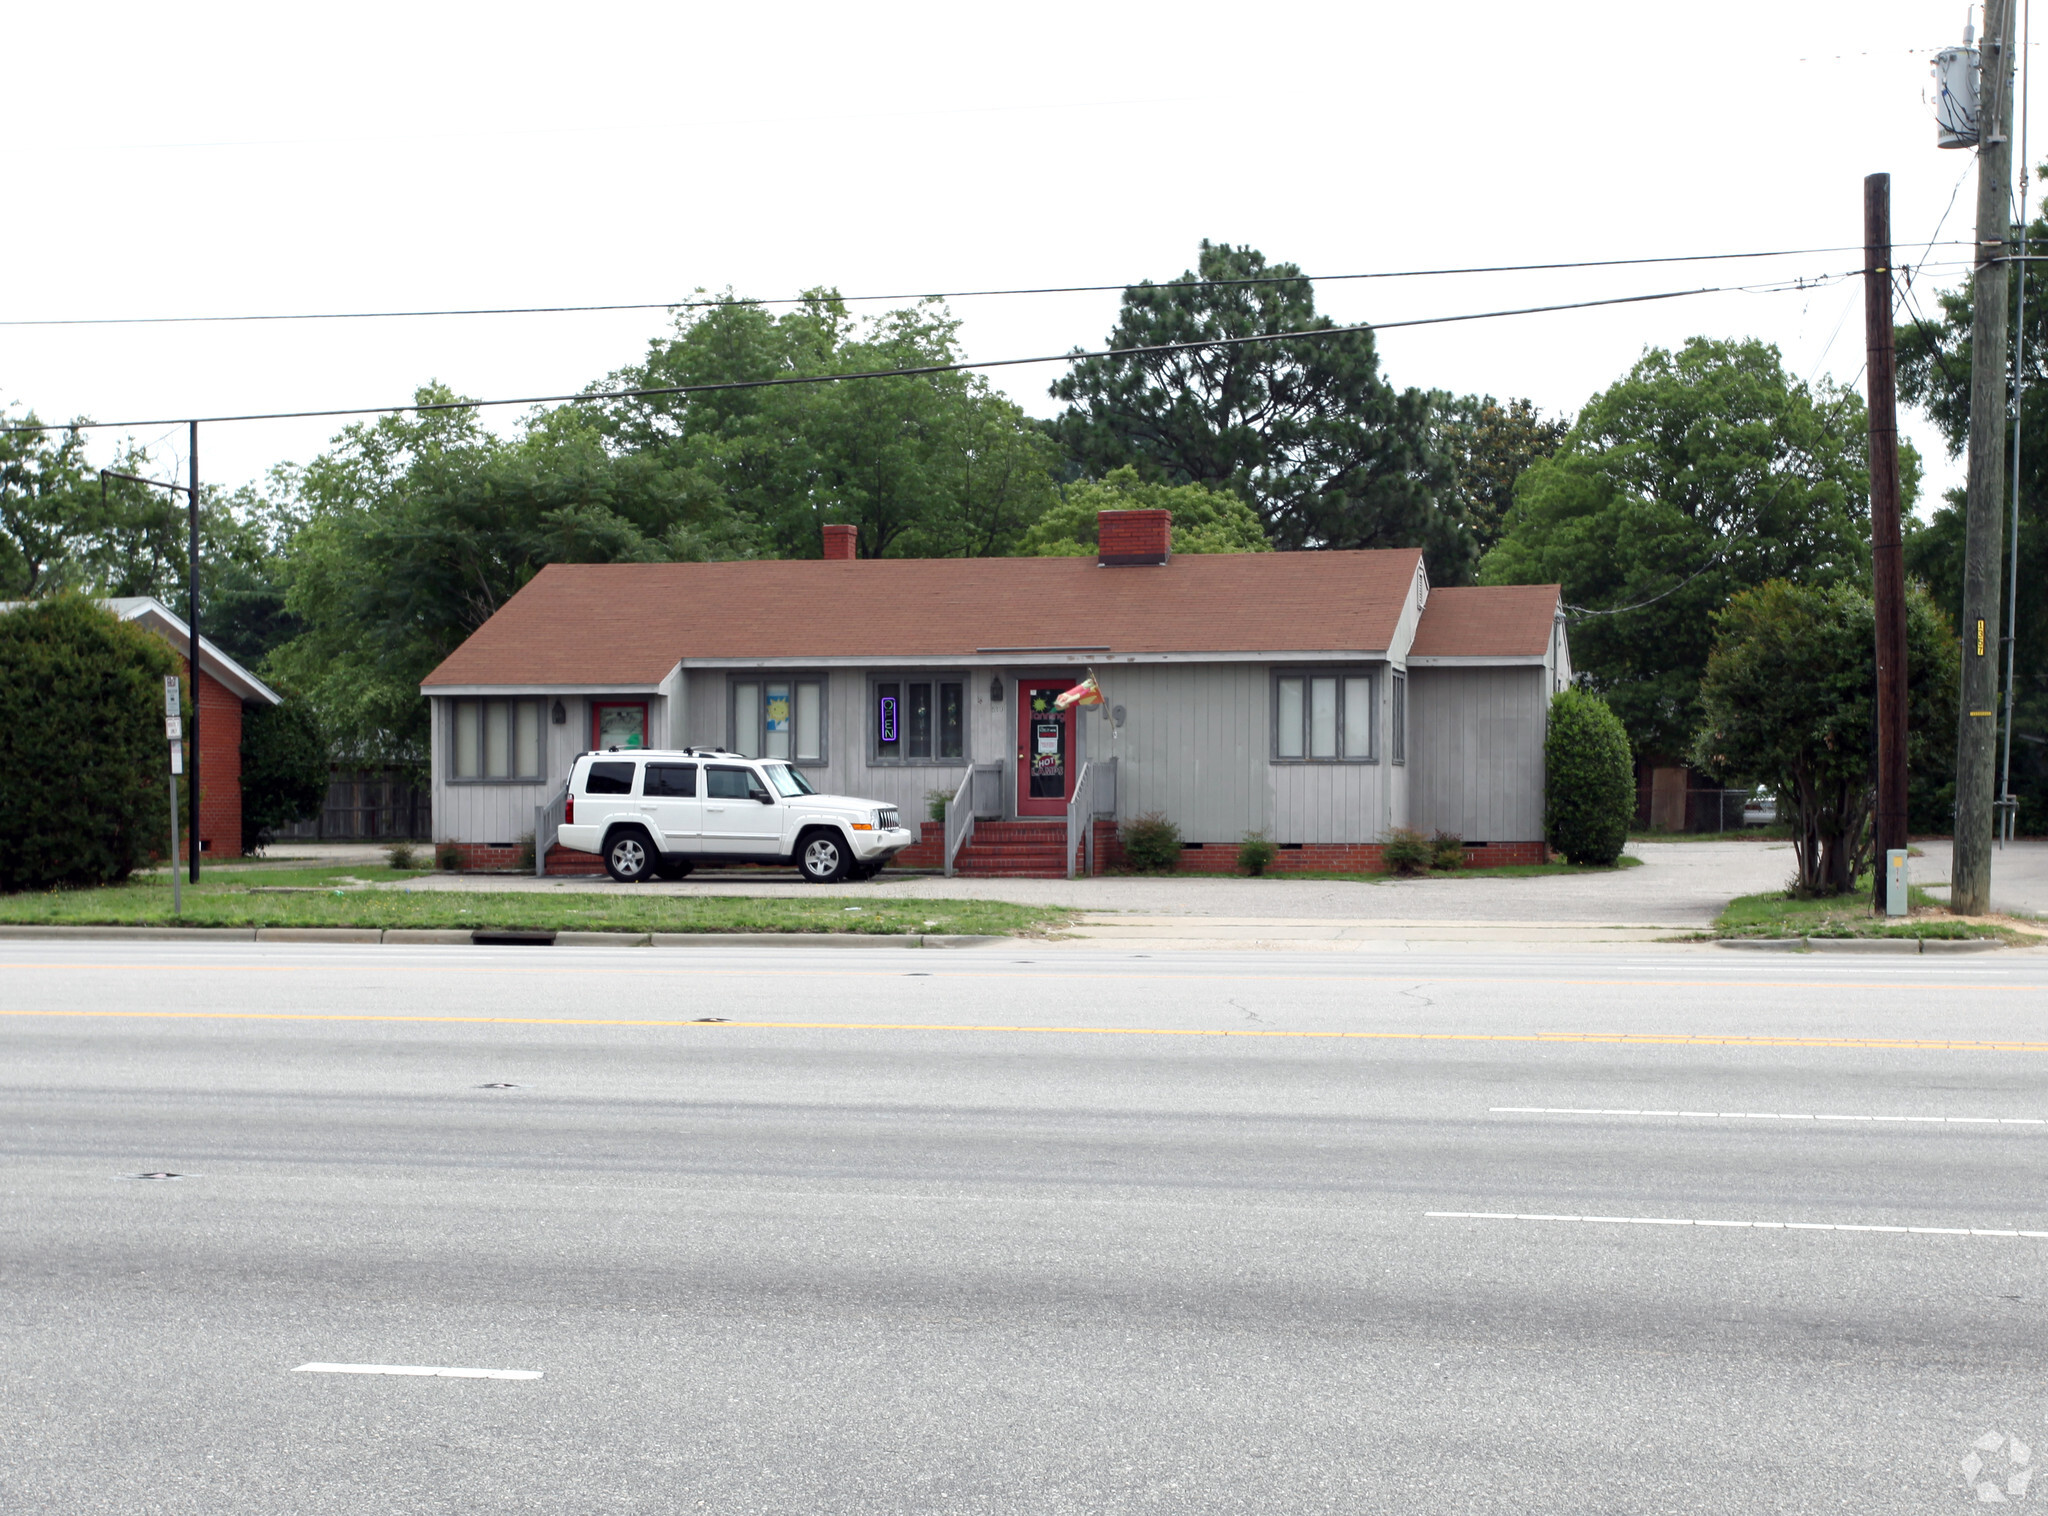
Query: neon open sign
(888,718)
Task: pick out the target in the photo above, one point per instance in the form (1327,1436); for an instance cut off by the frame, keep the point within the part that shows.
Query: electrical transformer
(1955,94)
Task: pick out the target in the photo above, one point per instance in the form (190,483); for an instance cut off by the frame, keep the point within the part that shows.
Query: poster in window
(778,709)
(621,726)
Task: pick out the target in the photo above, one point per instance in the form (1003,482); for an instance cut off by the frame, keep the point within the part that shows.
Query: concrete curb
(1862,944)
(132,933)
(457,937)
(318,934)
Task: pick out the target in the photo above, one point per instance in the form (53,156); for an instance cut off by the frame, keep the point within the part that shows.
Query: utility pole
(192,662)
(191,493)
(1977,722)
(1887,560)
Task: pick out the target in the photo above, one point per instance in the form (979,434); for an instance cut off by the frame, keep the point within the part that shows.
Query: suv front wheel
(821,858)
(628,858)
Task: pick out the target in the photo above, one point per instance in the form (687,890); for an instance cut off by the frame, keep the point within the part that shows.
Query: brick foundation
(483,858)
(928,852)
(1311,857)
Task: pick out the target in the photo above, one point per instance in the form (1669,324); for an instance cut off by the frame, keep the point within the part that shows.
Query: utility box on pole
(1895,897)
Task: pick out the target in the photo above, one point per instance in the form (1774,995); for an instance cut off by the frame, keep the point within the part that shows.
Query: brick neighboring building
(225,690)
(1318,698)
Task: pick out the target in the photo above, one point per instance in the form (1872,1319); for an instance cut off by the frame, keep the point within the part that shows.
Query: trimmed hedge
(84,762)
(1590,780)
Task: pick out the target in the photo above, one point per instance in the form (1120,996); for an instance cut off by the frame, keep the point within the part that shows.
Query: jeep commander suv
(649,814)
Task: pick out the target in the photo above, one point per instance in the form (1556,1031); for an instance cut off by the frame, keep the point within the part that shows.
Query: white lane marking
(1761,1226)
(1569,1110)
(390,1368)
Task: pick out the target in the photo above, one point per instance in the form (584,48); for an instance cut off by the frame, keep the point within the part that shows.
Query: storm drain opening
(156,1174)
(484,937)
(501,1085)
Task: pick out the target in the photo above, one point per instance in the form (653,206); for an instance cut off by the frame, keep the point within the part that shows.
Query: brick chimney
(842,542)
(1131,537)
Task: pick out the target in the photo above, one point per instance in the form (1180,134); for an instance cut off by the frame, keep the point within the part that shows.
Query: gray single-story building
(1318,698)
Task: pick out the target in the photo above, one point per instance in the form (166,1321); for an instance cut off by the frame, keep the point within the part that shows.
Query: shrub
(935,803)
(1446,851)
(1256,853)
(447,858)
(84,763)
(402,855)
(526,846)
(1151,844)
(284,769)
(1590,781)
(1406,851)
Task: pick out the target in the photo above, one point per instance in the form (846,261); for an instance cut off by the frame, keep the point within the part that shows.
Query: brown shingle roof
(1497,621)
(629,623)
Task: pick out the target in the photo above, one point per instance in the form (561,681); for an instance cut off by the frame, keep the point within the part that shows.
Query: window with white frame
(1397,720)
(1323,716)
(779,718)
(917,718)
(496,740)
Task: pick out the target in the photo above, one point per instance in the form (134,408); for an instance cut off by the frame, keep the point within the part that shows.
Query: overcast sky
(220,159)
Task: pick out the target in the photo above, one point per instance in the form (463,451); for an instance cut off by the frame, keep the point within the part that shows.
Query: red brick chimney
(1128,537)
(842,542)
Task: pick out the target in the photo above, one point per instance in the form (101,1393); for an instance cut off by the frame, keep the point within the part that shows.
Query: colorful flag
(1087,692)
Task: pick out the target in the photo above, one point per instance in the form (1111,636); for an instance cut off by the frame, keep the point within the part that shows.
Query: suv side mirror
(764,797)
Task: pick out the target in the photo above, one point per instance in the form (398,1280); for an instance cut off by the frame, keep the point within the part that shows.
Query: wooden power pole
(1977,723)
(1888,569)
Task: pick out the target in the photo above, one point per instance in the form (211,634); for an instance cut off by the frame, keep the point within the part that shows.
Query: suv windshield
(787,781)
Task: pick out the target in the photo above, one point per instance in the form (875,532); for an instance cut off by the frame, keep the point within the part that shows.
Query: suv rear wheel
(629,856)
(821,857)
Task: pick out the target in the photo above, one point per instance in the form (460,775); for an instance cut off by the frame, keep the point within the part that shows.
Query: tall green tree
(1204,520)
(1491,445)
(1701,473)
(924,465)
(1304,428)
(1934,374)
(418,527)
(1789,701)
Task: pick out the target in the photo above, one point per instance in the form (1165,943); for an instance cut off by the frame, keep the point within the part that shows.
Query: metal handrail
(547,824)
(959,819)
(1081,813)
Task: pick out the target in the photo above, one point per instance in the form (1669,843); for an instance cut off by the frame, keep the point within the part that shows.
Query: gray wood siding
(497,812)
(1475,751)
(1193,745)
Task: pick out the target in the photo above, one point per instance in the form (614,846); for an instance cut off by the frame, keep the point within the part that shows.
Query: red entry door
(1045,748)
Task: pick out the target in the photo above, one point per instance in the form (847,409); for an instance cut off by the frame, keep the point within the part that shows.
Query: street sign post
(174,729)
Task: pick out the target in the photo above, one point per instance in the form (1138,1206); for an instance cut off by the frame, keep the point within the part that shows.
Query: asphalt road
(965,1232)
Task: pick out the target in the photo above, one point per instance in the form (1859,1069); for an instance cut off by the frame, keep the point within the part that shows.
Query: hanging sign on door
(1048,737)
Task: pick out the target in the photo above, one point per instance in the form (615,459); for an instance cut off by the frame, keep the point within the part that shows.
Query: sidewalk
(2019,876)
(1680,889)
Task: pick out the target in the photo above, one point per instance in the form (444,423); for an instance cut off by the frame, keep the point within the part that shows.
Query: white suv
(653,813)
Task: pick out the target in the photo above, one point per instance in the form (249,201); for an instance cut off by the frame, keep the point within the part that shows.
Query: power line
(1053,289)
(588,396)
